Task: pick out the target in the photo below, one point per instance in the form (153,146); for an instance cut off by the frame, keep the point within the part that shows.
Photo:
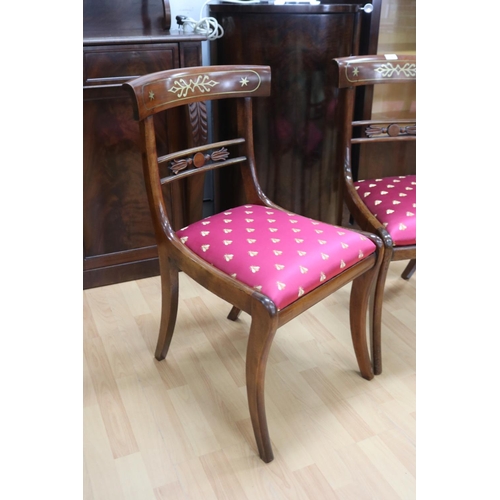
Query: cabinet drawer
(104,66)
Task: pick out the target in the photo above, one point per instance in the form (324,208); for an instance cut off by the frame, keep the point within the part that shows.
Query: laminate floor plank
(154,450)
(179,429)
(114,414)
(98,458)
(134,478)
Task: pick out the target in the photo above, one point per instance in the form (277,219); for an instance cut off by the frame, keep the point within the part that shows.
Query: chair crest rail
(365,70)
(167,89)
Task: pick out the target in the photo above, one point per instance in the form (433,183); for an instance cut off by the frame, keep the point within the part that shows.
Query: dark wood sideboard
(124,39)
(294,135)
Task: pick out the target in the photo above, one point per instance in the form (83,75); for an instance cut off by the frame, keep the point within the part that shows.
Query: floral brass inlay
(244,81)
(387,70)
(151,95)
(202,84)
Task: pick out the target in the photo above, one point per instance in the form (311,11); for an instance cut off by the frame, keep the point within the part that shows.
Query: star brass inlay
(355,72)
(151,95)
(244,81)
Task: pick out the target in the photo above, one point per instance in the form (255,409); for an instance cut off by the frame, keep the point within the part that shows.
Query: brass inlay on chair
(388,70)
(202,84)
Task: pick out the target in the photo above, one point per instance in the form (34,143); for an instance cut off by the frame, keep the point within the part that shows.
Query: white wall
(191,8)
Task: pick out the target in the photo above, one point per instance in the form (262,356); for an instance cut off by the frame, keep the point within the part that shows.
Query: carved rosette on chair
(268,262)
(386,205)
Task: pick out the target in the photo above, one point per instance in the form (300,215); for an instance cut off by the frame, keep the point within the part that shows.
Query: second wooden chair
(384,202)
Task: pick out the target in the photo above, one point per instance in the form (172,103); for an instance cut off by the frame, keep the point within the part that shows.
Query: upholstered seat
(393,201)
(281,254)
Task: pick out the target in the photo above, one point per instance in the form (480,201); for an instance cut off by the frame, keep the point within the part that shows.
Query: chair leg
(169,305)
(361,292)
(409,269)
(262,331)
(234,313)
(376,312)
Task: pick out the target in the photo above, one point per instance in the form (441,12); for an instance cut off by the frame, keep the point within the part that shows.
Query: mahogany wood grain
(163,91)
(123,40)
(295,148)
(125,18)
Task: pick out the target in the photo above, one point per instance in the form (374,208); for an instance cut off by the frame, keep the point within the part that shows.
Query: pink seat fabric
(281,254)
(393,201)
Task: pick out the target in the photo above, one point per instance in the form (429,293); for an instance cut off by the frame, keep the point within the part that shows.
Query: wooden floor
(180,428)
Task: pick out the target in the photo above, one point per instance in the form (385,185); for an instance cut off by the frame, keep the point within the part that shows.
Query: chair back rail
(359,71)
(167,89)
(161,91)
(192,161)
(379,69)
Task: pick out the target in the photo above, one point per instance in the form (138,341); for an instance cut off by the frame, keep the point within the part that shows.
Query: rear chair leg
(234,313)
(169,305)
(409,269)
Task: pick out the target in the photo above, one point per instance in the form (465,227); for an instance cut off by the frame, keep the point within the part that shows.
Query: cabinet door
(294,136)
(118,237)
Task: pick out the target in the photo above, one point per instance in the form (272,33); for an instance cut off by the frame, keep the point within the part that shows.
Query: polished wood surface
(293,131)
(387,71)
(179,429)
(123,40)
(160,92)
(125,18)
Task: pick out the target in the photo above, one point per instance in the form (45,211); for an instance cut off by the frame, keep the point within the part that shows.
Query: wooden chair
(260,258)
(386,203)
